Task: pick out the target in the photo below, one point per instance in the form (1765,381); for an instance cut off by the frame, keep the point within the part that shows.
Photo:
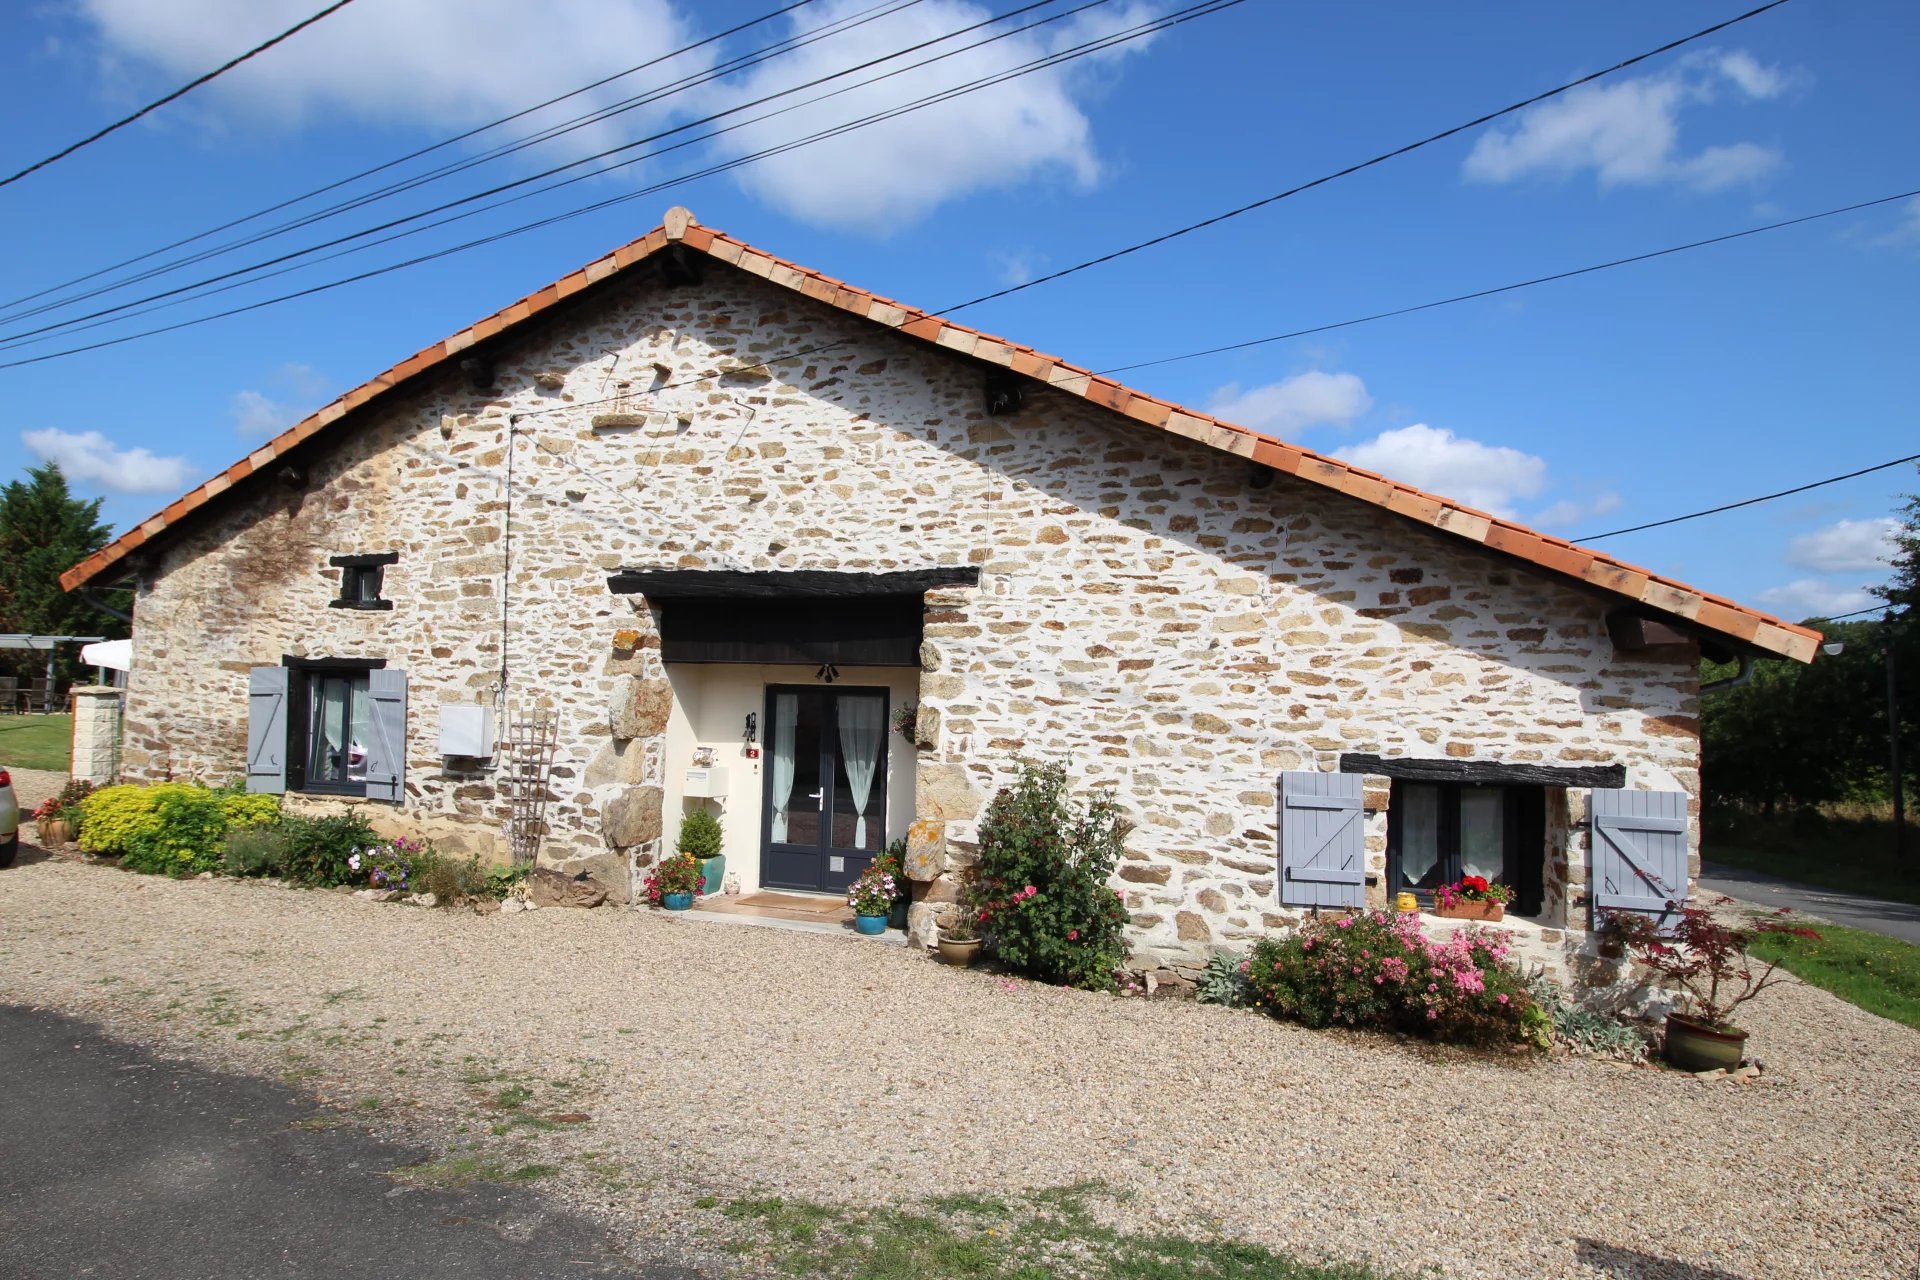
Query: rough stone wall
(1145,615)
(96,735)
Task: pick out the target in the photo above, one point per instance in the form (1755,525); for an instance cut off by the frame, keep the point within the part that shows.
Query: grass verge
(36,742)
(1878,973)
(1850,852)
(1046,1235)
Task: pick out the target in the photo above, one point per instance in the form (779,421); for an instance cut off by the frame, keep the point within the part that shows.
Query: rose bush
(1040,894)
(1376,969)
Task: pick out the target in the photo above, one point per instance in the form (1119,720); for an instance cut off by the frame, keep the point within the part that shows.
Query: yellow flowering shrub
(243,810)
(170,828)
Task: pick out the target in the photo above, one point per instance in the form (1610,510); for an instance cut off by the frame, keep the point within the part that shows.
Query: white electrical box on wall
(466,729)
(706,783)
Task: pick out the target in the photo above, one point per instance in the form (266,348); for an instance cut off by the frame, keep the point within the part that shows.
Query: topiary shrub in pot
(702,836)
(1041,893)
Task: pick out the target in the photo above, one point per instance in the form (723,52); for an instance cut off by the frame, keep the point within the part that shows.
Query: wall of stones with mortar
(1145,615)
(96,734)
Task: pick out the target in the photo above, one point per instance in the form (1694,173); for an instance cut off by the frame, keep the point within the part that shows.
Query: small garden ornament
(1709,962)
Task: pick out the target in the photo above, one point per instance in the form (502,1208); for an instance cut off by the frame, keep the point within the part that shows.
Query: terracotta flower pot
(54,832)
(1695,1046)
(958,954)
(1465,909)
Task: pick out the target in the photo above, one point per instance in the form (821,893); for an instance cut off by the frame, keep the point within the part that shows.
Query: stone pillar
(97,714)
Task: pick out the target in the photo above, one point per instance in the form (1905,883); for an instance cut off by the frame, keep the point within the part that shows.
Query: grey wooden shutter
(387,745)
(1323,855)
(1638,859)
(267,729)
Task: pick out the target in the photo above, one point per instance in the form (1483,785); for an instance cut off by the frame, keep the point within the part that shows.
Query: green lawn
(1878,973)
(1854,854)
(1042,1235)
(36,742)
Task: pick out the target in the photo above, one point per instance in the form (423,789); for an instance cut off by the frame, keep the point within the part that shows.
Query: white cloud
(1491,477)
(90,457)
(1753,79)
(1572,511)
(1628,131)
(1016,267)
(255,413)
(1285,407)
(1846,546)
(1812,598)
(411,61)
(893,173)
(1904,233)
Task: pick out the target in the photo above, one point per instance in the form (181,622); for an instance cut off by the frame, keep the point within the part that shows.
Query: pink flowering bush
(1040,894)
(1376,969)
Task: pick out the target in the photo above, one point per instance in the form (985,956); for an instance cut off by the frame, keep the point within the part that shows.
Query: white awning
(115,655)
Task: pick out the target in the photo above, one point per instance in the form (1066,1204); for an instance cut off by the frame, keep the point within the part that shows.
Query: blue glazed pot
(676,901)
(869,924)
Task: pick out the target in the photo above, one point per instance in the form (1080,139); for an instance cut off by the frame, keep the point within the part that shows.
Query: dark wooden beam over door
(1487,771)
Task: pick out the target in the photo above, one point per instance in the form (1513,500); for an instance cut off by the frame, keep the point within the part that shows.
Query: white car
(9,820)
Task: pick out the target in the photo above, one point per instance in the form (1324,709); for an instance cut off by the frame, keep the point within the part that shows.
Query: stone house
(705,528)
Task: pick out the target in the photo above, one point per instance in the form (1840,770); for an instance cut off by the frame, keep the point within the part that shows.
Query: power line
(182,91)
(1185,14)
(1861,613)
(1382,158)
(1509,288)
(777,48)
(1748,502)
(574,164)
(1203,9)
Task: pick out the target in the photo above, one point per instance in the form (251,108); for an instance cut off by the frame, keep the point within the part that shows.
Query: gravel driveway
(724,1060)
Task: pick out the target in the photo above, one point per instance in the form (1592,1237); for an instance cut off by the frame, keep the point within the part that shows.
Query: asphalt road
(117,1165)
(1895,919)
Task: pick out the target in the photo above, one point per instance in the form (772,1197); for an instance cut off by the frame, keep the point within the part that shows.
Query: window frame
(300,673)
(354,570)
(1523,829)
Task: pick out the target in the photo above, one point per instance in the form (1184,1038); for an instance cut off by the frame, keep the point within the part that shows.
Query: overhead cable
(181,92)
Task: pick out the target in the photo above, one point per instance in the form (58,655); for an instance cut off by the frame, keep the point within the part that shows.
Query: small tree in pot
(701,836)
(1709,961)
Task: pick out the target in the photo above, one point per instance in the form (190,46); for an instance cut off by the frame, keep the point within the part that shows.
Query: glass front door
(826,778)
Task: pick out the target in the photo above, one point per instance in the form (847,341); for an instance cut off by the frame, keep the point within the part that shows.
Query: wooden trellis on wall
(531,738)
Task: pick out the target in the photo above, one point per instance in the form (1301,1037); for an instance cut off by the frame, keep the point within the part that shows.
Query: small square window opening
(361,580)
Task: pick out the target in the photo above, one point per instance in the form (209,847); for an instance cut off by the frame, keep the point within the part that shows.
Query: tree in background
(1798,736)
(44,531)
(1795,736)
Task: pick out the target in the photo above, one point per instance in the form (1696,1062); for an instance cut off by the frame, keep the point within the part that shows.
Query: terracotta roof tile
(1628,582)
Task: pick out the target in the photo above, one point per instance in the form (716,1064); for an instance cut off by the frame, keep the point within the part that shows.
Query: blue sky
(1581,406)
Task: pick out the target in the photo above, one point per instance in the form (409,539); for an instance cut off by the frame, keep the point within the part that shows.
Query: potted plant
(700,836)
(674,882)
(906,719)
(58,817)
(892,860)
(959,941)
(1472,898)
(1709,962)
(871,898)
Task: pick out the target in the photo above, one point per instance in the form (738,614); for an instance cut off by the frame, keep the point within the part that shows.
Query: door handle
(819,798)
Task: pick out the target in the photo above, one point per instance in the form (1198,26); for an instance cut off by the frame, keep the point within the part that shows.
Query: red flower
(1476,883)
(1073,935)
